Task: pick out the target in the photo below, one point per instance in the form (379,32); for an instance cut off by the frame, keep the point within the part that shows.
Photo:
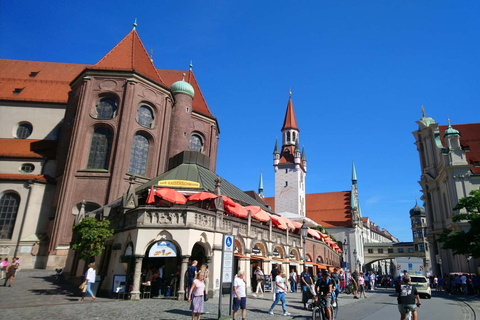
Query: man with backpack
(324,289)
(407,294)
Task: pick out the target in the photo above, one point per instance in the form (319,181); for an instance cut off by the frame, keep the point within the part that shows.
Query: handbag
(205,296)
(83,287)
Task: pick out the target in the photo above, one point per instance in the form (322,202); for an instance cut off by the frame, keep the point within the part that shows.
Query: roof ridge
(146,52)
(33,80)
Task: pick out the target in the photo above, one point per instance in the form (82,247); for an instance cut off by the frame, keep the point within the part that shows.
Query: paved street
(33,296)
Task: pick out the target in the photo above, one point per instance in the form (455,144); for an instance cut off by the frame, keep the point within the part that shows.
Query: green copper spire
(359,211)
(275,151)
(353,204)
(354,173)
(135,24)
(304,158)
(450,131)
(297,147)
(260,185)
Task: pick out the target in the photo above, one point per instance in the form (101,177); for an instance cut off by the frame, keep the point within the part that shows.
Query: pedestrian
(372,281)
(12,268)
(305,281)
(435,282)
(191,274)
(160,279)
(280,292)
(17,259)
(273,275)
(475,285)
(195,296)
(90,276)
(206,278)
(239,295)
(406,298)
(361,285)
(259,276)
(463,280)
(341,278)
(3,267)
(293,280)
(366,277)
(355,283)
(324,290)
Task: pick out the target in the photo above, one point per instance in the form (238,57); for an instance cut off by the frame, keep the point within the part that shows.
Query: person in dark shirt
(305,281)
(324,290)
(407,294)
(355,283)
(191,274)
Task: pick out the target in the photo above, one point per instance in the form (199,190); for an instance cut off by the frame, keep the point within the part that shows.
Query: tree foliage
(465,242)
(90,237)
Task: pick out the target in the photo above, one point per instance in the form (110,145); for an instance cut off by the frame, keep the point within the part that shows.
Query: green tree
(90,237)
(465,242)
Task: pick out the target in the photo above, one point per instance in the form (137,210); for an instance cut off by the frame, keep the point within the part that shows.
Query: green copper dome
(183,87)
(450,131)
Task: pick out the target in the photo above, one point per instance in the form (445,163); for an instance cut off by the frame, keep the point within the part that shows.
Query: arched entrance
(256,260)
(165,255)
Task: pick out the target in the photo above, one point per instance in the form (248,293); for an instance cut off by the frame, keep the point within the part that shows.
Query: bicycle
(319,312)
(349,288)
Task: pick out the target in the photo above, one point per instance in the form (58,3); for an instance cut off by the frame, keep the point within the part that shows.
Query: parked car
(421,283)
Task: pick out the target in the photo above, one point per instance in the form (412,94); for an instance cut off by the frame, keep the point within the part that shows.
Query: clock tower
(290,167)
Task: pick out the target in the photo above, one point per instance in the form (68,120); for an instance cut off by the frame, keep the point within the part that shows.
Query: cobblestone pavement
(34,296)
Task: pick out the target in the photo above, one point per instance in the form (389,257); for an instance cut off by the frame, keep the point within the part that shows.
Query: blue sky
(359,73)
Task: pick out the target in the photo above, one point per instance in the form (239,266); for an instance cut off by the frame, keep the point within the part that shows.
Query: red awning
(237,210)
(201,196)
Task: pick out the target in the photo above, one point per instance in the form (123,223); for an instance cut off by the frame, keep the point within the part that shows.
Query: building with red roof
(72,136)
(450,170)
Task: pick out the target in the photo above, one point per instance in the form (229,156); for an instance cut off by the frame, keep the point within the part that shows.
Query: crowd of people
(9,270)
(456,283)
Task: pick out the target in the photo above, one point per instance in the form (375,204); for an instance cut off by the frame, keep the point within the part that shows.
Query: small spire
(191,65)
(183,79)
(151,54)
(354,173)
(304,158)
(276,151)
(290,92)
(260,185)
(423,111)
(448,119)
(135,24)
(297,147)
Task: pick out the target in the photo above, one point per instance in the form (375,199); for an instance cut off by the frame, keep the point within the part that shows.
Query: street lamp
(345,245)
(354,259)
(304,230)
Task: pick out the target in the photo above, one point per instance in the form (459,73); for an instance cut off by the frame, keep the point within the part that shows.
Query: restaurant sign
(179,183)
(162,249)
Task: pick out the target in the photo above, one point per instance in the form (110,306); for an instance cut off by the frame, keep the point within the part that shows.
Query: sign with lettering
(163,249)
(179,183)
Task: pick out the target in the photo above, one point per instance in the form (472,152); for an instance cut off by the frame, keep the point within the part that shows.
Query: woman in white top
(280,292)
(90,276)
(259,276)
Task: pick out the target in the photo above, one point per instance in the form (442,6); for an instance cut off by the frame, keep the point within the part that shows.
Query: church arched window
(100,146)
(145,116)
(288,136)
(8,214)
(196,142)
(139,155)
(106,108)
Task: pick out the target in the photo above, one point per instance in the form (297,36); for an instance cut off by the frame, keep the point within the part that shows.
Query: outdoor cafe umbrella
(278,222)
(258,213)
(313,233)
(288,222)
(171,195)
(151,196)
(227,201)
(237,210)
(201,196)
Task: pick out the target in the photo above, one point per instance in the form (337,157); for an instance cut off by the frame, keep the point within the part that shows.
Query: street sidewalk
(34,296)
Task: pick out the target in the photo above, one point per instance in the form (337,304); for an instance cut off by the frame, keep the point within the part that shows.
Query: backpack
(335,285)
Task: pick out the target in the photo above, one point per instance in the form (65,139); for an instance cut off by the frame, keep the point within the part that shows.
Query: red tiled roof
(51,84)
(469,136)
(171,76)
(290,121)
(130,55)
(24,177)
(365,219)
(26,148)
(330,209)
(271,202)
